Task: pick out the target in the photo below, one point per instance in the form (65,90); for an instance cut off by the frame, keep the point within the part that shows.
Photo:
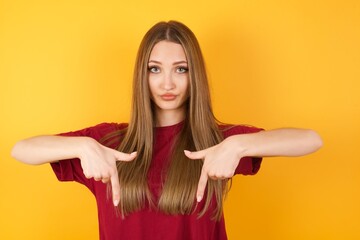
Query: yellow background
(66,65)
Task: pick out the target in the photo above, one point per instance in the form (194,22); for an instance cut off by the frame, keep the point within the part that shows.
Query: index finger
(115,187)
(202,185)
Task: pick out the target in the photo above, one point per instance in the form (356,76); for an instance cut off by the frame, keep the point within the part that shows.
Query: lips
(168,97)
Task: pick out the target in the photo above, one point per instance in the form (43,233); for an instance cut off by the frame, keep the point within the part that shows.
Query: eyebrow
(175,63)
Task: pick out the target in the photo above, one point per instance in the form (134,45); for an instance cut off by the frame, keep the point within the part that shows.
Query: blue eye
(182,70)
(154,69)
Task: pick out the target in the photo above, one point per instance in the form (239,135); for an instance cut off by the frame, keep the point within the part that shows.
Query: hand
(220,162)
(99,162)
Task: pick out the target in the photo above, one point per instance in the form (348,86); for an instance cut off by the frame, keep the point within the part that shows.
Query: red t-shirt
(148,223)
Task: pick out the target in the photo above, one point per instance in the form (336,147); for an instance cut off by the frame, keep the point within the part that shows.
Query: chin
(169,106)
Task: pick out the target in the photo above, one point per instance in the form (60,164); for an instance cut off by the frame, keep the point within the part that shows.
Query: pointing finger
(115,187)
(202,185)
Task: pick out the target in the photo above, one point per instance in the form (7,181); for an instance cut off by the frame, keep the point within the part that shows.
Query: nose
(168,83)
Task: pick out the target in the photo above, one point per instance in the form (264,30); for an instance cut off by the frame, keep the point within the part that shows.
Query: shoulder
(97,131)
(106,127)
(231,129)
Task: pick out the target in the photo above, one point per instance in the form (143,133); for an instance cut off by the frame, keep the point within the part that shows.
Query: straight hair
(199,131)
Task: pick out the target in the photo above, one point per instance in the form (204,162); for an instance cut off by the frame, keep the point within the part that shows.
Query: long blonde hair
(199,131)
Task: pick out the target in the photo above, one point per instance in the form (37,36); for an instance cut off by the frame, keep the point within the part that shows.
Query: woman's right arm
(46,149)
(97,161)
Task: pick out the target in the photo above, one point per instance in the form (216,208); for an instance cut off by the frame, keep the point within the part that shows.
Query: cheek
(185,85)
(152,86)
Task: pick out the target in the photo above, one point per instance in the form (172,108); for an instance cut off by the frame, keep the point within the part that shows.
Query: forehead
(167,51)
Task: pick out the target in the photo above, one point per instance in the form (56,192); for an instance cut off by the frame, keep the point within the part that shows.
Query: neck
(169,117)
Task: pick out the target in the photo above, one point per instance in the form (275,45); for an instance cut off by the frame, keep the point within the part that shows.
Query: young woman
(166,171)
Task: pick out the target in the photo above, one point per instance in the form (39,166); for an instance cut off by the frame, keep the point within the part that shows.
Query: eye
(182,69)
(154,69)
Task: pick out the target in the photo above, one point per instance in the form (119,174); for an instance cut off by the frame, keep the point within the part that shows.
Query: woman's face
(168,79)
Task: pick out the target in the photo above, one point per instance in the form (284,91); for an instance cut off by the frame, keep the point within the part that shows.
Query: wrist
(241,144)
(83,145)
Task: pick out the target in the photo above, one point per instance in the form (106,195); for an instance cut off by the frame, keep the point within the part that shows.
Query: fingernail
(187,152)
(199,198)
(116,203)
(133,153)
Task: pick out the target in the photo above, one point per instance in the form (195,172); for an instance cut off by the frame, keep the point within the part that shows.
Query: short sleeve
(248,165)
(70,169)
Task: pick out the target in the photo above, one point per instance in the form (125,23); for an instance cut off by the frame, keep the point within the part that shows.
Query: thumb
(196,155)
(127,157)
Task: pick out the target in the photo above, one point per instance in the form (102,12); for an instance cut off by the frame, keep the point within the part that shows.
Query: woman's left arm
(289,142)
